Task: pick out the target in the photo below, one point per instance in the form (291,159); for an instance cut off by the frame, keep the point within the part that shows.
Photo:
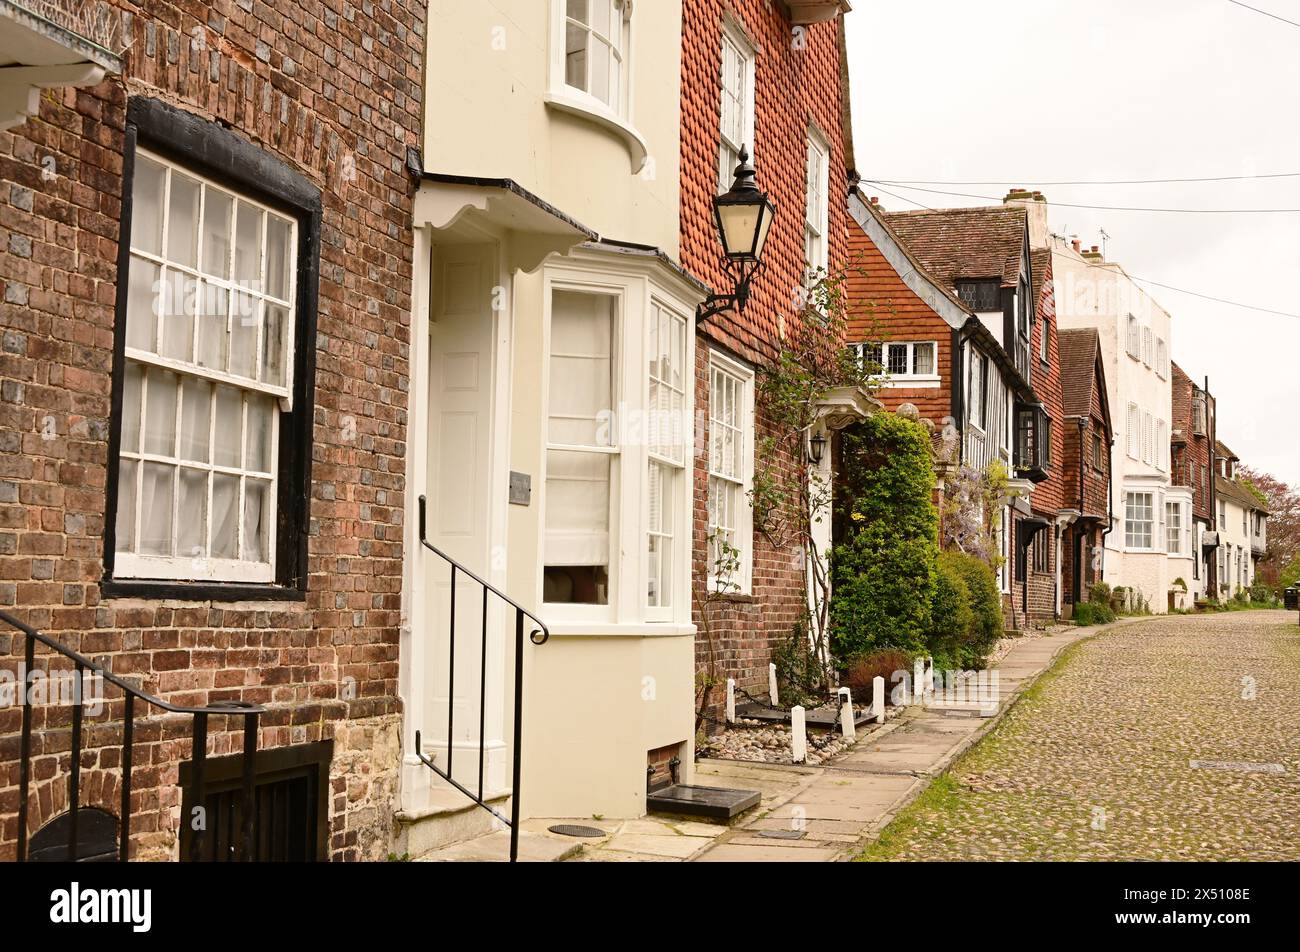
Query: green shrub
(1092,613)
(1262,594)
(980,623)
(800,677)
(883,569)
(952,622)
(1100,593)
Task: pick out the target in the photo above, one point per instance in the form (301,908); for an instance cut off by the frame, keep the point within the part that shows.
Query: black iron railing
(538,636)
(244,849)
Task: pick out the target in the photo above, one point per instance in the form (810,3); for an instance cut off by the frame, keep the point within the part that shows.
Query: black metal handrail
(539,636)
(249,712)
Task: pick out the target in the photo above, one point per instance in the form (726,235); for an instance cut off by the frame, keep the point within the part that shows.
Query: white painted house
(552,366)
(1135,334)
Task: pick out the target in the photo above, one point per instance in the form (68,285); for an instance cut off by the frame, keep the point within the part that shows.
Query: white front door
(459,516)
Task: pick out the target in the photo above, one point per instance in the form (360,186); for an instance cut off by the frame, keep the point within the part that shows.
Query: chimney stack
(1075,244)
(1035,206)
(1093,255)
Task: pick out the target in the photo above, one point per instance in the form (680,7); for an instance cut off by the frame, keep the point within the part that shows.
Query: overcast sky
(1025,92)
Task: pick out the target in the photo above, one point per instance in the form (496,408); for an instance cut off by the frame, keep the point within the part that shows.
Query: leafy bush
(860,675)
(1262,594)
(1100,593)
(966,614)
(883,569)
(1092,613)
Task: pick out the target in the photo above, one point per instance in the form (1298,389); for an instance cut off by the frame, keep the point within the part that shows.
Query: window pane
(213,307)
(925,359)
(600,69)
(261,410)
(580,381)
(192,514)
(183,220)
(146,205)
(248,246)
(278,255)
(178,321)
(141,303)
(131,407)
(225,512)
(575,56)
(243,336)
(273,341)
(156,509)
(577,526)
(257,499)
(229,426)
(898,358)
(126,473)
(160,412)
(196,405)
(217,207)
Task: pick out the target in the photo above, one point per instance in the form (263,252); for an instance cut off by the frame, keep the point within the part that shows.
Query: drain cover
(567,829)
(1240,765)
(782,834)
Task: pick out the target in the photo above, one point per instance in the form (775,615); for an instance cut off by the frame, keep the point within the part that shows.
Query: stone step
(452,818)
(495,848)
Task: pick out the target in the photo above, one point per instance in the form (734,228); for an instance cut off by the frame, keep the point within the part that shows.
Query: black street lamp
(744,216)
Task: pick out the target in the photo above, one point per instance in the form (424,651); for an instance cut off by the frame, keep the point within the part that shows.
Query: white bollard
(929,677)
(771,683)
(798,736)
(878,698)
(846,714)
(731,700)
(918,681)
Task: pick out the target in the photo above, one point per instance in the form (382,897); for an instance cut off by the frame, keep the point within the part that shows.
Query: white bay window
(207,374)
(616,510)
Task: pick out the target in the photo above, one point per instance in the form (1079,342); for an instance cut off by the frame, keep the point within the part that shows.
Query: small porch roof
(38,53)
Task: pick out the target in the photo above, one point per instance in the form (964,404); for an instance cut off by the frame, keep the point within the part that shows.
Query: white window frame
(638,290)
(1175,529)
(1133,340)
(816,208)
(668,452)
(910,378)
(735,41)
(1131,521)
(132,565)
(1044,342)
(618,117)
(1162,358)
(743,377)
(1133,434)
(1148,438)
(1148,346)
(1162,445)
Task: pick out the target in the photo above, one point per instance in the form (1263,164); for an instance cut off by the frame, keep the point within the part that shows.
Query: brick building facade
(1193,464)
(751,77)
(299,116)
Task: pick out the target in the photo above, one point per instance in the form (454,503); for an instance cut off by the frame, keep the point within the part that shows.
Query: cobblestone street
(1096,761)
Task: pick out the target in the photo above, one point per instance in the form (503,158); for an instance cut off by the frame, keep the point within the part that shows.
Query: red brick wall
(797,85)
(326,87)
(1049,495)
(882,308)
(1191,449)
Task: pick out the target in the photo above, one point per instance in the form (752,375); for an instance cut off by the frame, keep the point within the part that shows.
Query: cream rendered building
(1149,546)
(551,405)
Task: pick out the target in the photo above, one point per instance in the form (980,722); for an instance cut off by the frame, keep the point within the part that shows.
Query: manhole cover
(782,834)
(1243,766)
(566,829)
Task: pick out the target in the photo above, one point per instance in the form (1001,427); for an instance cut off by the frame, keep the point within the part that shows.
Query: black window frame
(226,157)
(981,295)
(1032,445)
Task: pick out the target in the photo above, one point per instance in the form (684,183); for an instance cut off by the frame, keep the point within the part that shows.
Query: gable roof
(966,243)
(1040,260)
(1243,497)
(939,296)
(1222,452)
(1078,349)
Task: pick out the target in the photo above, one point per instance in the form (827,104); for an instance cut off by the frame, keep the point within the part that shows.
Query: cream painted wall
(1102,296)
(486,115)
